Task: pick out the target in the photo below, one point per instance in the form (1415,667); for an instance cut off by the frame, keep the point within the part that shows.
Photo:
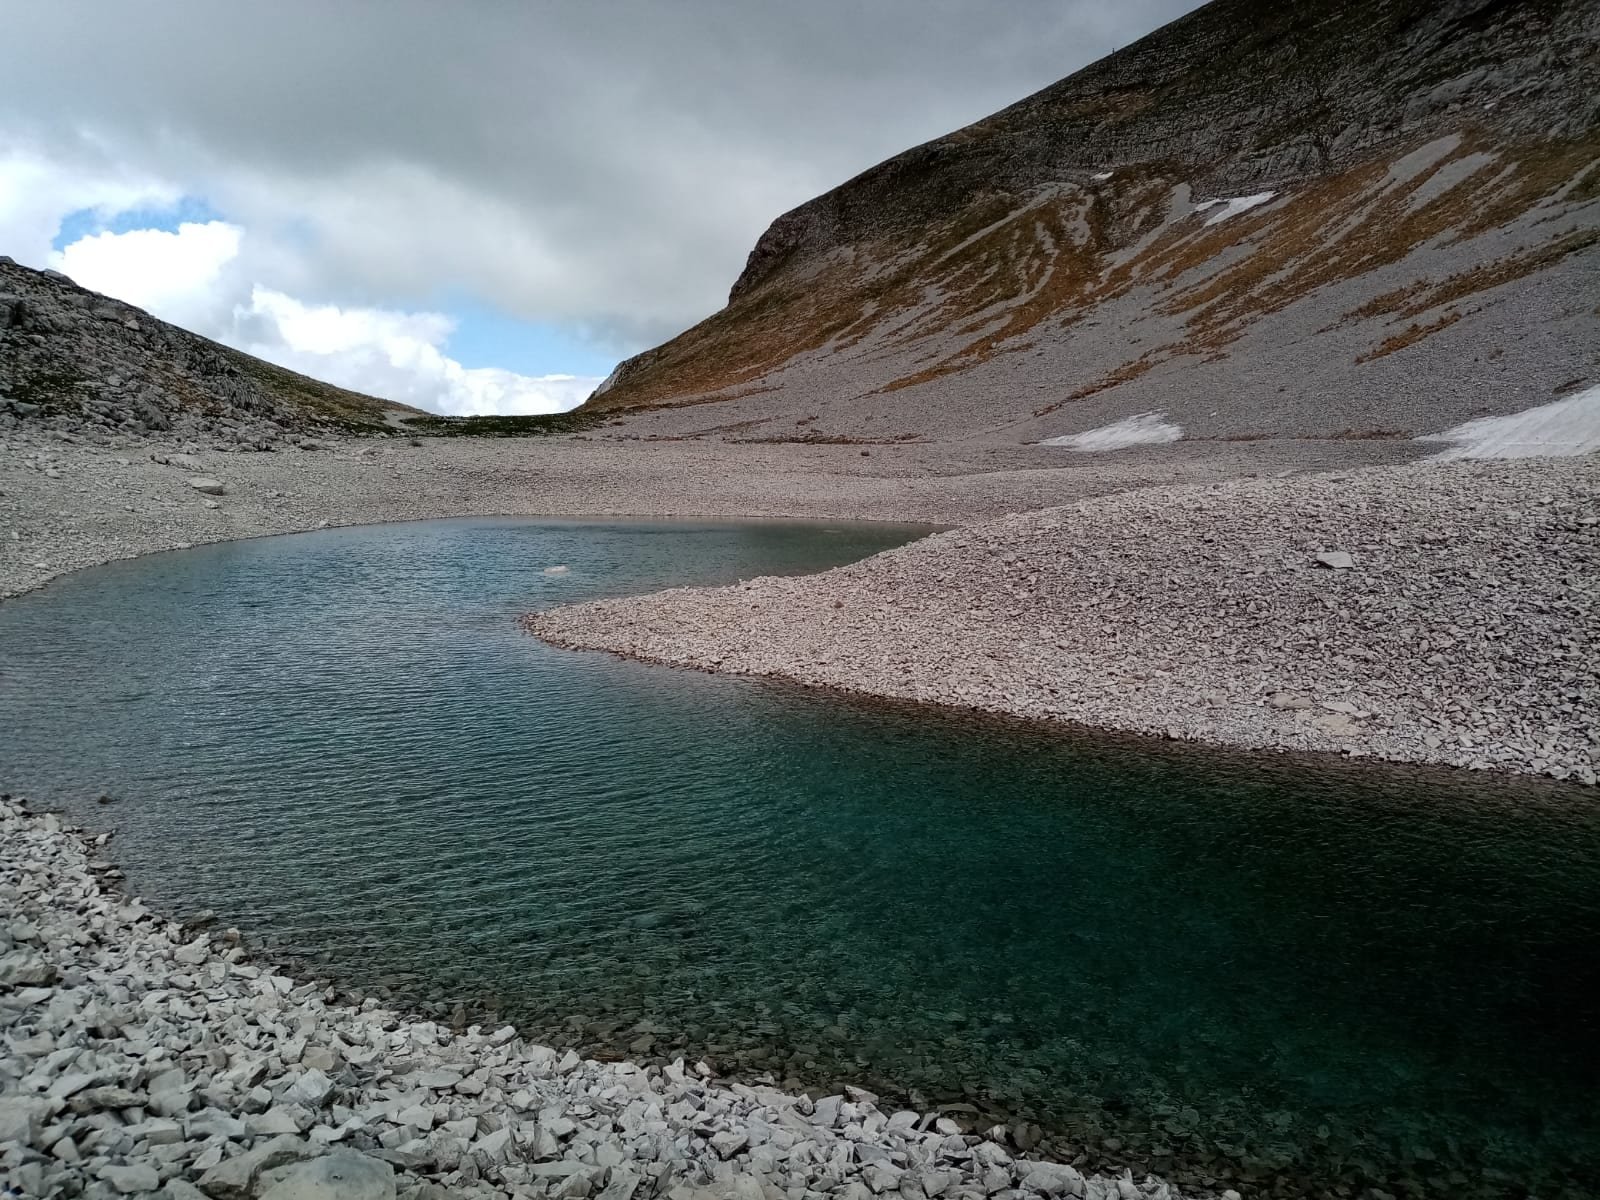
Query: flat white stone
(342,1175)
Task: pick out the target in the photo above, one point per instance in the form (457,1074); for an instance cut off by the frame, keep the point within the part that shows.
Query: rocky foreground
(1427,613)
(143,1057)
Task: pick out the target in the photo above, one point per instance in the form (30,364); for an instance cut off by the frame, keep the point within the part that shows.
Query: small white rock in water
(559,569)
(207,485)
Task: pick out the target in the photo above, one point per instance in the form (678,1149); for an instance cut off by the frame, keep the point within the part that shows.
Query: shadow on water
(1293,975)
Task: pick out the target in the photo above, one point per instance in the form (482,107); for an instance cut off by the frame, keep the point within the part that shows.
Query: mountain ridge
(1423,172)
(1325,117)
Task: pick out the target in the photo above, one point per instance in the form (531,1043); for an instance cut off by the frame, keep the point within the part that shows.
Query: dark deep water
(1229,966)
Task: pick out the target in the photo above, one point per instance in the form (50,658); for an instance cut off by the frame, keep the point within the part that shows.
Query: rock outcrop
(1321,219)
(89,366)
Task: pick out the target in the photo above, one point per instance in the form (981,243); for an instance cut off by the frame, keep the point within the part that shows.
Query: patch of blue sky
(487,337)
(484,336)
(86,222)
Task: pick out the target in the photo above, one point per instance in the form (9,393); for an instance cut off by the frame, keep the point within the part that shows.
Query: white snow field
(1141,429)
(1561,429)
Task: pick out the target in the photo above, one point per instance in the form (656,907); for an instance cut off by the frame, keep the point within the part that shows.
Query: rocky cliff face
(93,367)
(1314,219)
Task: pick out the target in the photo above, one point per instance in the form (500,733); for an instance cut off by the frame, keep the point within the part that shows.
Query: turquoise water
(1299,974)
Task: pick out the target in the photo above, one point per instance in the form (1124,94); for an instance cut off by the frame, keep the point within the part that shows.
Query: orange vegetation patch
(1008,265)
(1409,336)
(1126,373)
(1418,297)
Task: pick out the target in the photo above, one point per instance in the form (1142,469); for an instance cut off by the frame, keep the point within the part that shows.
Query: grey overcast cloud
(476,207)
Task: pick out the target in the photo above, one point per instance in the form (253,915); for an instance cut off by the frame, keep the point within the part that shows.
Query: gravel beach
(67,502)
(1435,613)
(145,1057)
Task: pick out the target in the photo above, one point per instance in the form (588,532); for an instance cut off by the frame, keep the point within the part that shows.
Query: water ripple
(1237,969)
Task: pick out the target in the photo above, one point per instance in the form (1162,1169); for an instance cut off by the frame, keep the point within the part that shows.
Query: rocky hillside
(90,366)
(1333,218)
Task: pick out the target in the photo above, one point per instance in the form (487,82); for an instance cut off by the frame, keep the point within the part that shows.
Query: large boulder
(235,1178)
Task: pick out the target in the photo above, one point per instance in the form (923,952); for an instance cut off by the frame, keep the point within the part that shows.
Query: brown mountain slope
(1419,246)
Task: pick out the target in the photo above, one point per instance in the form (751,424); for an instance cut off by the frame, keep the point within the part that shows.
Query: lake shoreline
(334,486)
(66,505)
(1429,614)
(71,506)
(198,1071)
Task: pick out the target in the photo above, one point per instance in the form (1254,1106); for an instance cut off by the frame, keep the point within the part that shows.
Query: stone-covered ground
(142,1057)
(73,499)
(1429,613)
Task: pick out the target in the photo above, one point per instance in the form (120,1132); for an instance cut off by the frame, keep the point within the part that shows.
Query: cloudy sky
(476,207)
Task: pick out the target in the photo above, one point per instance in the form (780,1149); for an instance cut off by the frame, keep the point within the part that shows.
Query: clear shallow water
(1223,967)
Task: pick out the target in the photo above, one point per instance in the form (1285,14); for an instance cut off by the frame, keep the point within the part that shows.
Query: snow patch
(1101,176)
(1561,429)
(1143,429)
(1233,207)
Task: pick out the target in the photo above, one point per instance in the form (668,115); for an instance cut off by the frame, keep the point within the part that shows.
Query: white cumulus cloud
(36,191)
(202,276)
(397,355)
(175,275)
